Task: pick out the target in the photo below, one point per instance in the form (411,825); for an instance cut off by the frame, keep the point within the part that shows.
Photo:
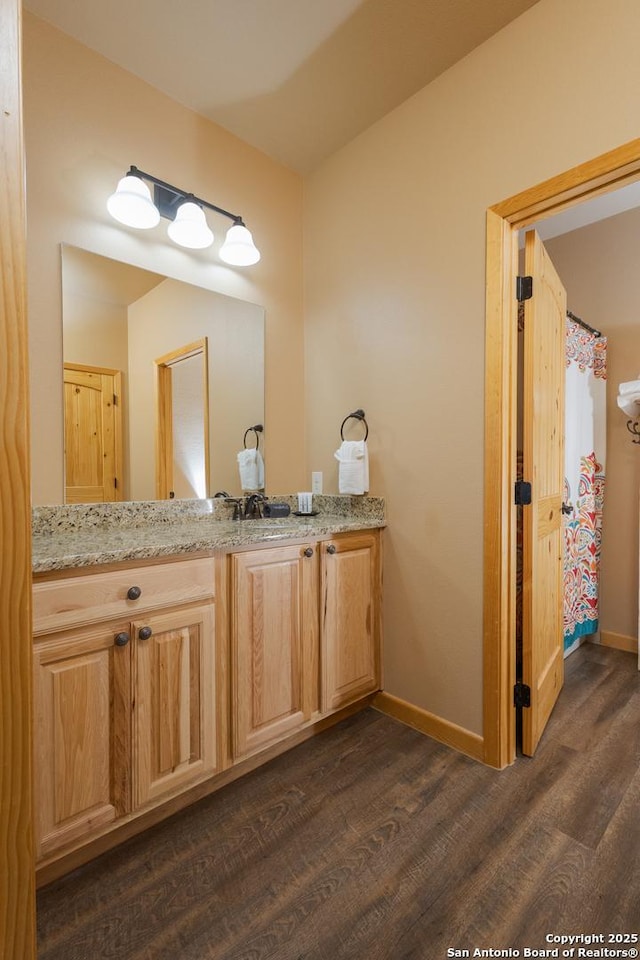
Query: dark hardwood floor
(372,841)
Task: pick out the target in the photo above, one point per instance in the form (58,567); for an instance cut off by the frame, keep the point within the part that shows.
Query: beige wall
(598,265)
(95,332)
(86,122)
(394,305)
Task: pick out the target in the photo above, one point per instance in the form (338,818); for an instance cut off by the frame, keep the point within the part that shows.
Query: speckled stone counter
(79,535)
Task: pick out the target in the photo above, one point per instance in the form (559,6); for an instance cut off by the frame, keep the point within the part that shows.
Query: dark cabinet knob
(144,633)
(331,548)
(308,552)
(121,639)
(134,593)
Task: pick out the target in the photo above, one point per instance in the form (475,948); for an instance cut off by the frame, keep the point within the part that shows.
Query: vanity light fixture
(132,205)
(190,228)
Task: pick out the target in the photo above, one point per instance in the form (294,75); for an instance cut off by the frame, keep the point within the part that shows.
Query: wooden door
(92,434)
(543,467)
(174,715)
(350,631)
(274,644)
(81,754)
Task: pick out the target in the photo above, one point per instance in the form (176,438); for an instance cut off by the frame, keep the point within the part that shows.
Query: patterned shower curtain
(585,450)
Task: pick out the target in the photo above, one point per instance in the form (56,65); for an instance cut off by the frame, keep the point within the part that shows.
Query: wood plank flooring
(372,841)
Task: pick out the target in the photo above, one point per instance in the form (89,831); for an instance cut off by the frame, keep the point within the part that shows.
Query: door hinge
(115,400)
(523,493)
(115,482)
(524,288)
(521,695)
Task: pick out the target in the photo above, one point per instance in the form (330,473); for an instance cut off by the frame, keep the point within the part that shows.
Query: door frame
(164,413)
(17,874)
(605,173)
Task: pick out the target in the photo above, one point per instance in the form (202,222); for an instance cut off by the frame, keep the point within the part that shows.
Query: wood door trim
(164,431)
(601,175)
(605,173)
(164,404)
(17,873)
(182,353)
(86,368)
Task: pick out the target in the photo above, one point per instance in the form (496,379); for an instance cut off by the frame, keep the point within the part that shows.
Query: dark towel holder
(258,428)
(634,428)
(356,415)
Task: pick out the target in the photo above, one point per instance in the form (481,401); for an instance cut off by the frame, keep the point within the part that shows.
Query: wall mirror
(121,326)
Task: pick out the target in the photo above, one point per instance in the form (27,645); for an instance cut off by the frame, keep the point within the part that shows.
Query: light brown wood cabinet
(174,716)
(305,635)
(125,709)
(81,734)
(274,644)
(350,629)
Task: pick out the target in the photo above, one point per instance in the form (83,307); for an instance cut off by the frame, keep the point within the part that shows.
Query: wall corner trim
(433,726)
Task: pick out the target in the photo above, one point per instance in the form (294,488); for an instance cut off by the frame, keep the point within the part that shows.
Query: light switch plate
(316,481)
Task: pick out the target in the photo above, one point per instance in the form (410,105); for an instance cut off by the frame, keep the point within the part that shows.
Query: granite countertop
(85,535)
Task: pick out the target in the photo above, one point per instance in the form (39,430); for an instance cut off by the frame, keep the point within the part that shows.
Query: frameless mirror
(162,380)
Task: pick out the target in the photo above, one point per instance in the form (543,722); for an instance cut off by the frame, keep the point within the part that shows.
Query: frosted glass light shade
(190,228)
(238,248)
(132,205)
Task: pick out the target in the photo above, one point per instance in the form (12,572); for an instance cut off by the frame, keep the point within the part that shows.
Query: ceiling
(295,78)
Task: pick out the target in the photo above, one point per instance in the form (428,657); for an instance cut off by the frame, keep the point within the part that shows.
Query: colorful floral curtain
(585,449)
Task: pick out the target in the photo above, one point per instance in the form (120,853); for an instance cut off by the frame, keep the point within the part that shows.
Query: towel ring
(356,415)
(633,426)
(256,430)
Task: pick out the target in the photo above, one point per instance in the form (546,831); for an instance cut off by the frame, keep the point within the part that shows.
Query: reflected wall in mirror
(120,319)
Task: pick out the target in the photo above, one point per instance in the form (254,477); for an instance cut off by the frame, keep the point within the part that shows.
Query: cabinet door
(274,644)
(350,619)
(174,719)
(82,734)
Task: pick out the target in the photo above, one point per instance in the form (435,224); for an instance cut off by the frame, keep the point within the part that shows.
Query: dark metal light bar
(168,198)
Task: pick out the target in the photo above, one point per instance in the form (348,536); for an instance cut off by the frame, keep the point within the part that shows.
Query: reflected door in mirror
(93,435)
(183,422)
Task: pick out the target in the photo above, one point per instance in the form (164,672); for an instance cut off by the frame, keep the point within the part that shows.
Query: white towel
(353,470)
(251,467)
(631,386)
(630,404)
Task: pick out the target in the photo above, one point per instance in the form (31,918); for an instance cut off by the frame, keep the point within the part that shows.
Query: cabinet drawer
(74,601)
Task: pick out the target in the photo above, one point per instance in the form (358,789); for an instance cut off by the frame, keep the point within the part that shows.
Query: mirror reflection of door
(93,434)
(182,449)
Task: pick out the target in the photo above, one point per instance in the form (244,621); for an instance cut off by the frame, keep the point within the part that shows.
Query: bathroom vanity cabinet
(154,679)
(305,634)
